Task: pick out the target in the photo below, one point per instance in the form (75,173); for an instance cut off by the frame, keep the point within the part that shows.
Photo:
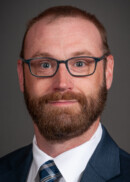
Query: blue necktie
(49,172)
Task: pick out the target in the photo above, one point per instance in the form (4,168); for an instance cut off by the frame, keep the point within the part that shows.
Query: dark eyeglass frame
(96,59)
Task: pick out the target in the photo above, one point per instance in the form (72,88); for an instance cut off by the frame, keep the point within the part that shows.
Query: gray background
(15,123)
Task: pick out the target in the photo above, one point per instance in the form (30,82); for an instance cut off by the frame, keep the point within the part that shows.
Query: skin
(62,39)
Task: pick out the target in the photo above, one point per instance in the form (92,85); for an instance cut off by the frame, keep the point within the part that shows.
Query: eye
(45,65)
(79,64)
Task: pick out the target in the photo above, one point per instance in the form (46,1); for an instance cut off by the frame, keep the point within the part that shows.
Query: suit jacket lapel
(105,163)
(22,172)
(18,171)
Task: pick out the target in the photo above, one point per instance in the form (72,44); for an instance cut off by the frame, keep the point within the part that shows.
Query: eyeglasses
(77,66)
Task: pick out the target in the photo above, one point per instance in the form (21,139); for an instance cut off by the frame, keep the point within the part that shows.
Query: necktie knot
(49,172)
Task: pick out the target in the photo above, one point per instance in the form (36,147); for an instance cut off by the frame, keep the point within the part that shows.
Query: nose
(63,81)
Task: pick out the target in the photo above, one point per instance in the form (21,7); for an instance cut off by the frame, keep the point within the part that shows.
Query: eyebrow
(82,53)
(42,54)
(74,54)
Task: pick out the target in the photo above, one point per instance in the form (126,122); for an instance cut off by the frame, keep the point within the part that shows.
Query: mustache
(63,96)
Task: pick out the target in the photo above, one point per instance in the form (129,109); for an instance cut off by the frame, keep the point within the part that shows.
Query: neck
(55,149)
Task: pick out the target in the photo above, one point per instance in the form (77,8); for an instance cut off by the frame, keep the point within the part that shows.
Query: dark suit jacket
(108,163)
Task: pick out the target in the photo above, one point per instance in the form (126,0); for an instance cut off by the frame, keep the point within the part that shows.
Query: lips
(62,102)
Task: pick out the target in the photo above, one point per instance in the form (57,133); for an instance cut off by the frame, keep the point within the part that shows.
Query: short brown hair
(68,11)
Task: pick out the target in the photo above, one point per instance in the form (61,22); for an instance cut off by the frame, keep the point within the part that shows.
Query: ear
(20,75)
(109,71)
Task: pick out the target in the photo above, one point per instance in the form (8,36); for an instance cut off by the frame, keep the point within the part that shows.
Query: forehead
(63,33)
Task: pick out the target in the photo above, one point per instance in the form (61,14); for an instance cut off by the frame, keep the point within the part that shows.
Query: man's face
(64,106)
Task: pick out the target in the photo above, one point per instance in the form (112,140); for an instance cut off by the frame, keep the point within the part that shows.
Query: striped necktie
(49,172)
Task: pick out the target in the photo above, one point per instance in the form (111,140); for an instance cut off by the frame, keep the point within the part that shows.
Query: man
(64,72)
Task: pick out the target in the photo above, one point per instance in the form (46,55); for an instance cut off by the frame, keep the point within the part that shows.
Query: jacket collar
(105,163)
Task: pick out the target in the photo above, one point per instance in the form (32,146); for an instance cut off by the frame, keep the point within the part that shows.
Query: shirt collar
(71,163)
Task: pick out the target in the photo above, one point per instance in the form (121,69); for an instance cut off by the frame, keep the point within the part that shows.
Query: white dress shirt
(71,163)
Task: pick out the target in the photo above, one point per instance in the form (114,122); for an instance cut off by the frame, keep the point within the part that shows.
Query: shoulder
(13,159)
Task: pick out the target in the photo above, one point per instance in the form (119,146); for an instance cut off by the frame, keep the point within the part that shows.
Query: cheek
(99,75)
(38,87)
